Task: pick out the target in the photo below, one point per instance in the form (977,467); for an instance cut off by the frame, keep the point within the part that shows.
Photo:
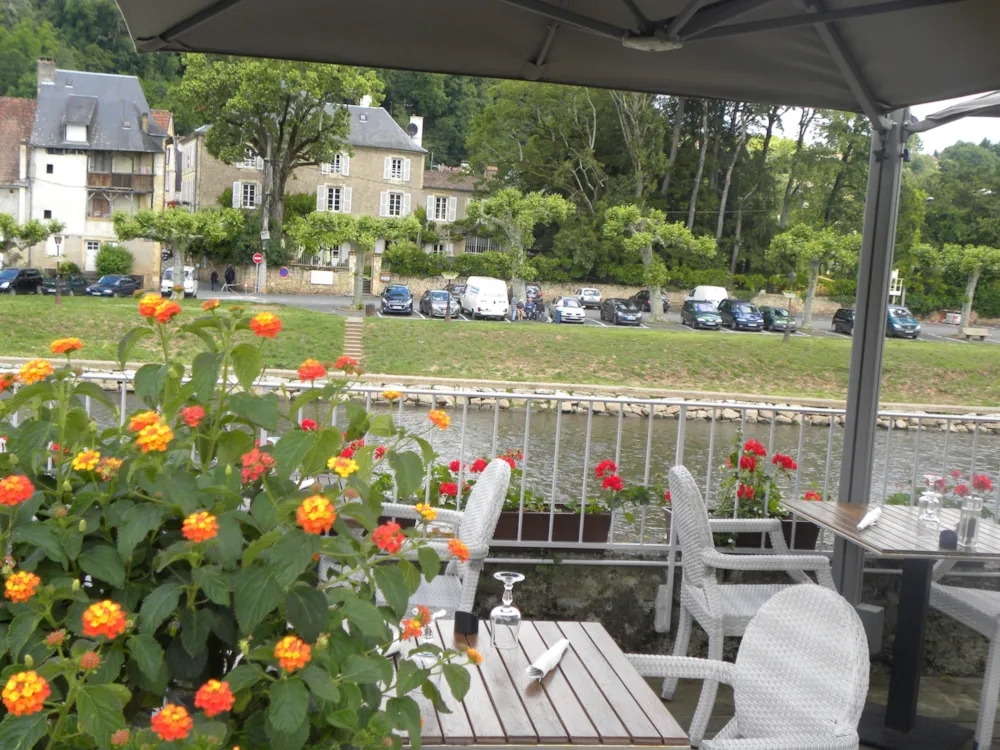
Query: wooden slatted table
(593,699)
(897,534)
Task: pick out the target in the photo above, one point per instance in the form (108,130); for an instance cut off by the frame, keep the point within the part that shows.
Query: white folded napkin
(870,518)
(548,661)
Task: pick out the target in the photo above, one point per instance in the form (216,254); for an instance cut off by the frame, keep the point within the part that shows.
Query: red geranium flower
(612,482)
(810,495)
(748,463)
(982,482)
(389,538)
(455,466)
(752,446)
(192,415)
(604,467)
(348,452)
(309,425)
(379,452)
(785,462)
(956,474)
(509,460)
(479,466)
(448,489)
(745,492)
(666,496)
(345,363)
(962,490)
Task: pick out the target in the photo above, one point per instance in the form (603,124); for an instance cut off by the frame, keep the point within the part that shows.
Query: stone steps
(353,338)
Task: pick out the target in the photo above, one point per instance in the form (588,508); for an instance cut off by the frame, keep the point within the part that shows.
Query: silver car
(567,310)
(588,296)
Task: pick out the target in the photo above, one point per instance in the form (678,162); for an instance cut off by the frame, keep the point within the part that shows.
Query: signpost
(258,258)
(448,276)
(58,240)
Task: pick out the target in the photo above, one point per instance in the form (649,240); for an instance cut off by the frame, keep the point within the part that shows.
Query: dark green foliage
(114,259)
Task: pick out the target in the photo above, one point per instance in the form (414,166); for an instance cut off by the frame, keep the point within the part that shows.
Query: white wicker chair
(979,610)
(455,589)
(800,677)
(724,609)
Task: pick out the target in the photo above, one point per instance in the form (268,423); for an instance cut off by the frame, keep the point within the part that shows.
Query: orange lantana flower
(86,460)
(142,420)
(108,467)
(391,395)
(192,415)
(311,370)
(255,464)
(265,324)
(21,586)
(342,465)
(200,527)
(389,538)
(149,304)
(14,490)
(25,693)
(439,418)
(292,653)
(214,698)
(316,515)
(90,660)
(412,628)
(209,304)
(428,513)
(155,437)
(345,363)
(104,618)
(35,370)
(167,311)
(64,346)
(172,722)
(6,380)
(474,656)
(458,549)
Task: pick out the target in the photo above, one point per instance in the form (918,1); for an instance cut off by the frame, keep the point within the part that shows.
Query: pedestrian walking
(214,279)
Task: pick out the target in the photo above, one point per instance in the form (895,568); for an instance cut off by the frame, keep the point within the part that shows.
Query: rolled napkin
(548,661)
(870,518)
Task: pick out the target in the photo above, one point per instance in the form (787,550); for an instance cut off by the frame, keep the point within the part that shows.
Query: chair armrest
(715,559)
(476,551)
(398,510)
(688,667)
(736,525)
(833,741)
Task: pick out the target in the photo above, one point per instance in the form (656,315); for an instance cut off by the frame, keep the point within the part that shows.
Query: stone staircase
(353,333)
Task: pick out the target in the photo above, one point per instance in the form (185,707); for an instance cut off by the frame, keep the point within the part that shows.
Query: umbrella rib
(719,13)
(677,22)
(566,17)
(190,23)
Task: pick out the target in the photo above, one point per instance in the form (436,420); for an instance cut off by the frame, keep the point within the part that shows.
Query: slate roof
(16,116)
(373,127)
(435,179)
(103,102)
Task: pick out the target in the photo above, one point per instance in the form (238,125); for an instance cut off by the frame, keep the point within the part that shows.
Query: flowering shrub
(162,581)
(750,486)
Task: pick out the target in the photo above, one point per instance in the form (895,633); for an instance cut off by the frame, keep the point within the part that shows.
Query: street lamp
(58,239)
(791,296)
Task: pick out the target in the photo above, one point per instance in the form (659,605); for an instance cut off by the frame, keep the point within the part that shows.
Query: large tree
(16,238)
(512,217)
(972,261)
(284,112)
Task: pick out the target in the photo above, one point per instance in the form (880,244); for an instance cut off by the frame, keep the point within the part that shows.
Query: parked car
(713,294)
(620,311)
(641,300)
(485,297)
(457,290)
(589,296)
(21,281)
(738,314)
(434,304)
(843,321)
(190,281)
(700,314)
(113,286)
(777,319)
(397,299)
(567,310)
(69,284)
(901,323)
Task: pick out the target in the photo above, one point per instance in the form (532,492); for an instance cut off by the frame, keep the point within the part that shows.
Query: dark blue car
(740,315)
(397,299)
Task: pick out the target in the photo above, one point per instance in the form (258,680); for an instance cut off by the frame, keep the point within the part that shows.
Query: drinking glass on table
(506,618)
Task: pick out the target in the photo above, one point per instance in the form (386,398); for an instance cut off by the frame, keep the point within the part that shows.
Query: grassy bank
(28,325)
(914,371)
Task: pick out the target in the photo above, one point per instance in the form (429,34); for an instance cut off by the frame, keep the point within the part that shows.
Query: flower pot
(565,527)
(805,536)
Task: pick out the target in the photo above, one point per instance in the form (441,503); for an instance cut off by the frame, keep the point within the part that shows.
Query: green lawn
(28,324)
(914,371)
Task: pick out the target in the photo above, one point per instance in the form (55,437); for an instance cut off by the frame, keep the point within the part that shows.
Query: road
(822,325)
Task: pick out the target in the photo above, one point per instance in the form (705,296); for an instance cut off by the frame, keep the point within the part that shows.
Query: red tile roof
(16,118)
(162,118)
(450,180)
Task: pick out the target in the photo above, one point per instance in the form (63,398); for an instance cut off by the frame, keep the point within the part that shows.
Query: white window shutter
(321,198)
(383,207)
(324,167)
(237,194)
(406,170)
(345,164)
(387,169)
(430,208)
(258,196)
(345,200)
(406,205)
(452,208)
(450,247)
(260,164)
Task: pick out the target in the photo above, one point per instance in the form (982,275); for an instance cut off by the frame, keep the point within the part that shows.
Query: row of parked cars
(31,281)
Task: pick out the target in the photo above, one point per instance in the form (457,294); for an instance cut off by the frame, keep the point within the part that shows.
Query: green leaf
(320,683)
(110,669)
(431,693)
(430,562)
(44,537)
(232,445)
(263,512)
(214,582)
(244,676)
(21,629)
(128,342)
(22,732)
(195,627)
(291,450)
(228,543)
(99,708)
(382,426)
(259,545)
(278,740)
(307,610)
(458,680)
(292,555)
(149,383)
(404,713)
(140,521)
(261,411)
(408,470)
(103,563)
(426,449)
(345,718)
(246,364)
(205,375)
(257,595)
(147,654)
(391,583)
(409,677)
(289,700)
(366,670)
(157,606)
(95,393)
(328,443)
(365,617)
(72,542)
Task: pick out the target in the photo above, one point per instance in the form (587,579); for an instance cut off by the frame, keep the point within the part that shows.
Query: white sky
(971,129)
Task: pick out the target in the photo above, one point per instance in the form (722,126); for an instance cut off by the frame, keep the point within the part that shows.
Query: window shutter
(450,247)
(345,201)
(321,198)
(345,164)
(260,164)
(430,208)
(258,195)
(406,170)
(406,205)
(237,194)
(452,208)
(383,207)
(387,169)
(324,167)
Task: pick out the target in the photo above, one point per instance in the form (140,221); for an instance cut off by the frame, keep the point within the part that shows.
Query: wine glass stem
(508,594)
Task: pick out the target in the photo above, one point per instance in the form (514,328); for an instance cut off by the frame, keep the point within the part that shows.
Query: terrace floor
(952,698)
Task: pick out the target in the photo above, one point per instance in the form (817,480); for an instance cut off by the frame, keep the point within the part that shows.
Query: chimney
(46,71)
(416,129)
(144,122)
(366,101)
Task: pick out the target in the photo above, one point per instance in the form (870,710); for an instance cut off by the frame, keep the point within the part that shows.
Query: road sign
(258,258)
(283,272)
(265,235)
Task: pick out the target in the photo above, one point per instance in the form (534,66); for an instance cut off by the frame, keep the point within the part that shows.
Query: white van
(190,281)
(485,297)
(713,294)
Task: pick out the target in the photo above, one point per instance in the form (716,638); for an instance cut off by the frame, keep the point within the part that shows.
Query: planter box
(805,536)
(565,527)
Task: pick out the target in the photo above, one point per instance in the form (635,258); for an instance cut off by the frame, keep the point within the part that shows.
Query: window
(50,168)
(395,204)
(250,160)
(99,162)
(438,249)
(249,195)
(334,199)
(76,133)
(336,165)
(440,209)
(98,207)
(477,245)
(46,214)
(92,246)
(396,169)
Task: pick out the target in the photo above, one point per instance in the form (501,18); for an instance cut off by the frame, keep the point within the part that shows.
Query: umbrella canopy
(982,106)
(871,56)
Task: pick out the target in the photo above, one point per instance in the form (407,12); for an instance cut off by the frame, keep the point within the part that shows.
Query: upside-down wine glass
(506,618)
